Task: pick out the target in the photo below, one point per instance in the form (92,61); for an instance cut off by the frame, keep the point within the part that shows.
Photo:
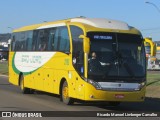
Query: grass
(4,68)
(153,78)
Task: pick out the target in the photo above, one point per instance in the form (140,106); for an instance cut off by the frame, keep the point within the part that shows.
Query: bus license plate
(119,96)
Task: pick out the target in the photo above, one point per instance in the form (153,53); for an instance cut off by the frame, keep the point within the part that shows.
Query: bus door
(78,59)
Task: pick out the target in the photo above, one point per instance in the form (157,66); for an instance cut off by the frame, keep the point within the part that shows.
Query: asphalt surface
(11,99)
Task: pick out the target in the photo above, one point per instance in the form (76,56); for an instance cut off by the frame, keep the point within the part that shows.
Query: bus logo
(119,85)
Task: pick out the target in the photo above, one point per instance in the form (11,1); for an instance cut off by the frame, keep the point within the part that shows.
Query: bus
(158,55)
(158,47)
(150,49)
(54,57)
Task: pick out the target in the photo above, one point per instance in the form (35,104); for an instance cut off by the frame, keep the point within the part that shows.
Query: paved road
(11,99)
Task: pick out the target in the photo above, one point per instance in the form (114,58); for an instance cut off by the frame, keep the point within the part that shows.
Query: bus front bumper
(92,94)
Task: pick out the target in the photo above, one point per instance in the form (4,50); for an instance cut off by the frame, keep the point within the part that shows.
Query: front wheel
(23,88)
(65,94)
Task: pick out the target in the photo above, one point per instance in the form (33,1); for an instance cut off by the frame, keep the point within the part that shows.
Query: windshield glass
(116,55)
(158,44)
(148,49)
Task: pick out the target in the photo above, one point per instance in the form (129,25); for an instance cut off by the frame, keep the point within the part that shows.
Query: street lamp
(153,5)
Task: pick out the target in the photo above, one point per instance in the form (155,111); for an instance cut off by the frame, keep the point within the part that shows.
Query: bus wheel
(114,103)
(24,90)
(65,94)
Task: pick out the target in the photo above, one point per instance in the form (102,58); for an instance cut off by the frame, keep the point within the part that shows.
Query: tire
(65,96)
(23,89)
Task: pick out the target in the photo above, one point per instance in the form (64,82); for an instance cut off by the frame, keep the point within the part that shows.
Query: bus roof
(100,23)
(103,23)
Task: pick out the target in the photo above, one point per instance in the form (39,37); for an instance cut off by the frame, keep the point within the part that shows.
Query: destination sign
(103,37)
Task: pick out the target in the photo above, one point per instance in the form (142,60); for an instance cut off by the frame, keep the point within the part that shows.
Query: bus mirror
(86,43)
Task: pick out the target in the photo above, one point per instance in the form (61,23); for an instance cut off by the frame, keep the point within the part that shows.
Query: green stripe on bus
(17,71)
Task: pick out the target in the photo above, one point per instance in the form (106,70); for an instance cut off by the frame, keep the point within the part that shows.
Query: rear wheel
(23,88)
(65,94)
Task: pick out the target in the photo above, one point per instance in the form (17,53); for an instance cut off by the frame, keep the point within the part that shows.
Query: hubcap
(65,92)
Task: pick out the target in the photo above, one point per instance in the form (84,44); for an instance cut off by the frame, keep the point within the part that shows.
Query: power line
(151,33)
(147,29)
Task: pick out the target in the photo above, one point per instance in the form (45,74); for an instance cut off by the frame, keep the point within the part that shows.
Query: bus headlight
(95,84)
(141,85)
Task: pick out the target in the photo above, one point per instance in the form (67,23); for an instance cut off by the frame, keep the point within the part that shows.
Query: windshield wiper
(118,61)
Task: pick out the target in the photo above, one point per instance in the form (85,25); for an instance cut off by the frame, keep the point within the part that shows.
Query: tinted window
(34,42)
(42,40)
(29,40)
(64,39)
(22,41)
(52,39)
(19,41)
(56,41)
(61,40)
(51,43)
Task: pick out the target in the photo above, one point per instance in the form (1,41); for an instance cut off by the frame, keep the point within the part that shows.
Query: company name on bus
(31,59)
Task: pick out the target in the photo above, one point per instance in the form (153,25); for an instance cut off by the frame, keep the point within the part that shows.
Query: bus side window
(61,40)
(43,40)
(17,46)
(22,45)
(34,41)
(51,40)
(64,40)
(29,40)
(56,41)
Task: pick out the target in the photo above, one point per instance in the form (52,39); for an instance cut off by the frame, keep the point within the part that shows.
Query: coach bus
(55,57)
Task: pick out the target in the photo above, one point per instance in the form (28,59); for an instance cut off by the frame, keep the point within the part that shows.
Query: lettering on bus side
(31,59)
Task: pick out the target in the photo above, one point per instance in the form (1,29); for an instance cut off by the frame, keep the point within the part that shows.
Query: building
(4,43)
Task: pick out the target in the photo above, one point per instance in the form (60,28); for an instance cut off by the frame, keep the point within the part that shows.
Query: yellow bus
(158,55)
(55,57)
(158,46)
(150,47)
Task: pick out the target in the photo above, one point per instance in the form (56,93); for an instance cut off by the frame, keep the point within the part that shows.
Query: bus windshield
(148,49)
(118,55)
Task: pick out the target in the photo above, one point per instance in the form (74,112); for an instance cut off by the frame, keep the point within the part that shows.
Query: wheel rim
(65,92)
